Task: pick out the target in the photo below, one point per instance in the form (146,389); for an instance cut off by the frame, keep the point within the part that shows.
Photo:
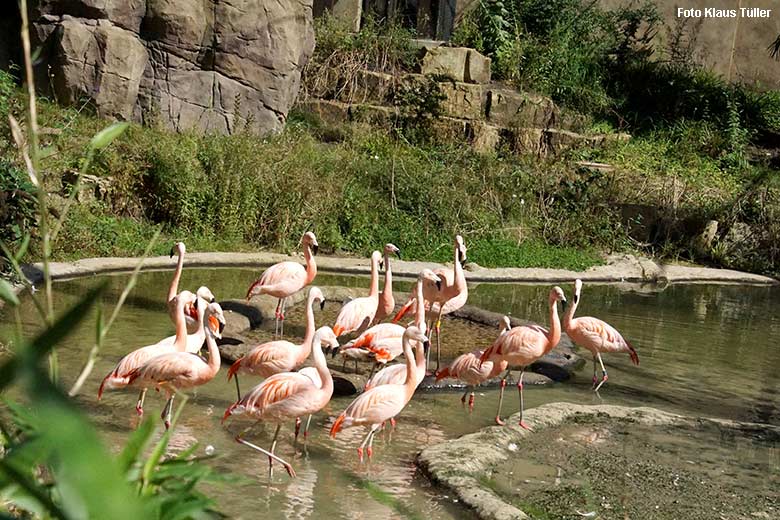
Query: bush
(17,204)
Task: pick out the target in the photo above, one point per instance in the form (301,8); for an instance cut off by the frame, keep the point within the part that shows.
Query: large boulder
(209,65)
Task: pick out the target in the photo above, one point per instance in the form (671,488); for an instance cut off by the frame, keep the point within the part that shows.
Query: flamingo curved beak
(315,248)
(438,285)
(426,346)
(564,303)
(322,305)
(334,351)
(173,252)
(398,253)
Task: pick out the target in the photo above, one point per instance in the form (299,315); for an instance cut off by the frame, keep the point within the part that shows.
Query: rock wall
(210,65)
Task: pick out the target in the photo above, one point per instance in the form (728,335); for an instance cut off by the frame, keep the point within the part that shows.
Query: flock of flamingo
(290,392)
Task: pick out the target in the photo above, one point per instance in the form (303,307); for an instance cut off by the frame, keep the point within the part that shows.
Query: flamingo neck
(309,336)
(174,288)
(460,276)
(321,364)
(419,319)
(180,342)
(568,316)
(214,358)
(374,291)
(200,334)
(411,374)
(387,290)
(419,355)
(311,265)
(554,336)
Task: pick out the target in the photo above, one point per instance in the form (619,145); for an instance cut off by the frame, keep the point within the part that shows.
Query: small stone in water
(512,446)
(209,450)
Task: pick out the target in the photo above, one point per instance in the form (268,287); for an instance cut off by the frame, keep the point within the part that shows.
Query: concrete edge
(619,269)
(454,465)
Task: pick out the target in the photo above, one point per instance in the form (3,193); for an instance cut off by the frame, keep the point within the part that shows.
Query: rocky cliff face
(211,65)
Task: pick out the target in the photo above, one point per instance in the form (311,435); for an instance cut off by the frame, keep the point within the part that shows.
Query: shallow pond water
(704,350)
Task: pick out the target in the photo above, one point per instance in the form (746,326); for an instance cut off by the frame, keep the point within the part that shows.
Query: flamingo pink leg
(277,314)
(500,421)
(297,427)
(520,389)
(471,400)
(166,413)
(271,456)
(139,406)
(287,466)
(392,422)
(306,429)
(604,375)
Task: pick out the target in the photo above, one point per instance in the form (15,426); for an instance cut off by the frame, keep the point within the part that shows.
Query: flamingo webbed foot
(525,426)
(290,470)
(500,421)
(360,454)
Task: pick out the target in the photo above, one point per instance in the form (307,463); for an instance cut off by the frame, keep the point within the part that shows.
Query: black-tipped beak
(576,299)
(564,303)
(334,351)
(426,347)
(173,252)
(322,304)
(438,285)
(221,327)
(398,254)
(381,264)
(315,248)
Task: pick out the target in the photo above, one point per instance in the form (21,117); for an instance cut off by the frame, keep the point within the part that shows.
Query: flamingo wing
(392,375)
(355,314)
(274,390)
(520,345)
(270,358)
(166,368)
(282,279)
(601,335)
(376,405)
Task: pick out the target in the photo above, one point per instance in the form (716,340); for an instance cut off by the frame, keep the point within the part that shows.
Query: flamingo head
(556,295)
(461,249)
(376,259)
(310,241)
(254,289)
(188,304)
(215,319)
(577,290)
(325,336)
(426,275)
(413,333)
(178,248)
(391,249)
(504,325)
(315,295)
(205,293)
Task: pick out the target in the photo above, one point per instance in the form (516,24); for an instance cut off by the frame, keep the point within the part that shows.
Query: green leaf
(106,136)
(23,248)
(7,293)
(136,444)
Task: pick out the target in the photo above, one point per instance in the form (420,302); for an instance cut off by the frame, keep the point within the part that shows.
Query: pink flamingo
(386,304)
(178,370)
(186,302)
(372,408)
(284,279)
(396,374)
(357,314)
(468,369)
(288,395)
(521,346)
(194,339)
(281,355)
(451,296)
(194,325)
(595,335)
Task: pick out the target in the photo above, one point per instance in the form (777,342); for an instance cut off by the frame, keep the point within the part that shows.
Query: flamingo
(289,394)
(521,346)
(386,304)
(467,368)
(186,302)
(372,408)
(177,370)
(595,335)
(279,356)
(396,374)
(451,296)
(284,279)
(357,314)
(194,325)
(194,339)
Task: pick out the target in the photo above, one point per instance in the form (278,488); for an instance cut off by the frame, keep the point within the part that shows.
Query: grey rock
(209,65)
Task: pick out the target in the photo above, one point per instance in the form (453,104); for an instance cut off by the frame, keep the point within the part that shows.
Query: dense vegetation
(694,157)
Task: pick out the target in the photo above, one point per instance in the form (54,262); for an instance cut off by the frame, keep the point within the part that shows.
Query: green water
(704,350)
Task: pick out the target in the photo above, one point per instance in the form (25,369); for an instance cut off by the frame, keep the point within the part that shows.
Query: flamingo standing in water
(595,335)
(284,279)
(396,374)
(177,370)
(467,368)
(386,304)
(186,303)
(194,325)
(451,296)
(521,346)
(289,395)
(357,314)
(279,356)
(372,408)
